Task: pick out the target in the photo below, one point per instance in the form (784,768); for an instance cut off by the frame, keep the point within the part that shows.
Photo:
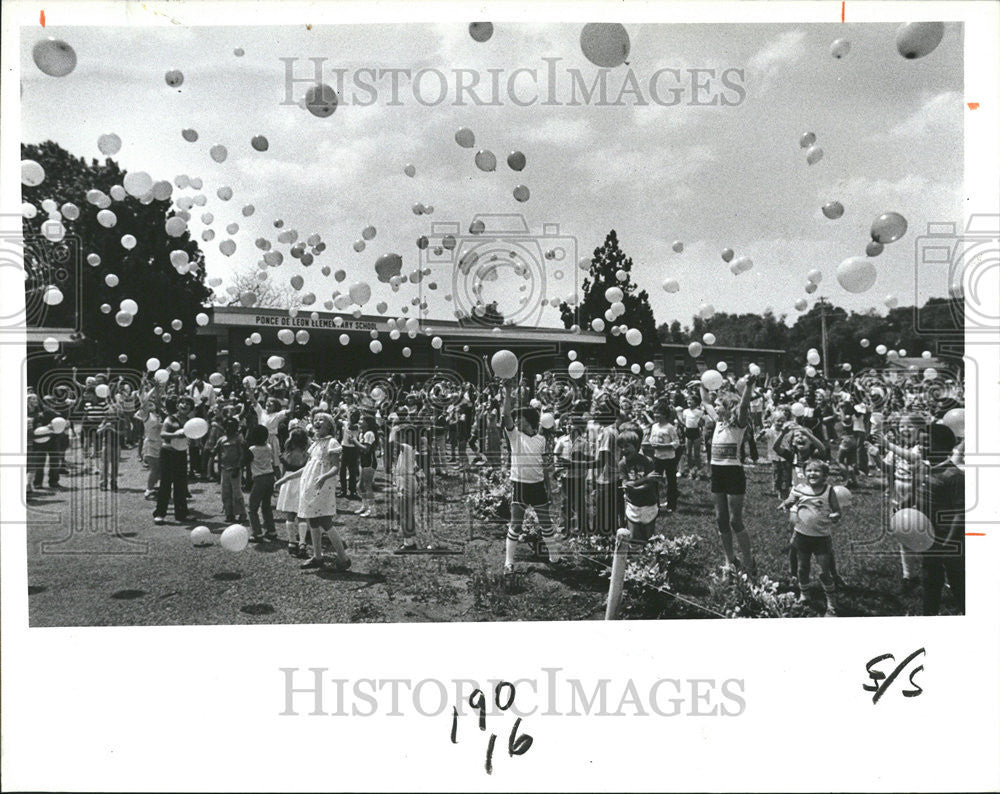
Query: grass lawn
(95,558)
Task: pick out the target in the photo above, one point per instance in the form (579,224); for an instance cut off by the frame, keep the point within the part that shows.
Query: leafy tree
(145,272)
(268,293)
(608,259)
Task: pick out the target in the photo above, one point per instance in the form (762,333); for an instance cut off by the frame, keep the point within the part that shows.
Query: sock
(511,545)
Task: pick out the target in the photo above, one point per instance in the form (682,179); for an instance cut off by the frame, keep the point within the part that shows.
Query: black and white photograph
(343,320)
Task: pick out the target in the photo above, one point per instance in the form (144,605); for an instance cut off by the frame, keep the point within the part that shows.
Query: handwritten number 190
(503,697)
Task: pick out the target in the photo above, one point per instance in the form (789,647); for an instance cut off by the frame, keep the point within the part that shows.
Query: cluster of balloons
(807,141)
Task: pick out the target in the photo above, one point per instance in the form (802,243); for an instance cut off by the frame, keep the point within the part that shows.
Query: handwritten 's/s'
(881,682)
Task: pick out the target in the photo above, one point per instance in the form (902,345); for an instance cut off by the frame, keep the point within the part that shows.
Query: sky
(711,176)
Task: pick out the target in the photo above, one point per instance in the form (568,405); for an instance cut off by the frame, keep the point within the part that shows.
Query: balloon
(175,226)
(54,57)
(856,274)
(321,100)
(576,370)
(504,364)
(833,210)
(521,193)
(174,78)
(161,376)
(248,210)
(297,281)
(800,305)
(613,294)
(636,369)
(516,161)
(129,305)
(53,230)
(621,361)
(892,355)
(722,366)
(58,425)
(711,379)
(238,52)
(741,265)
(881,350)
(678,246)
(727,254)
(275,362)
(597,324)
(201,536)
(955,420)
(798,409)
(486,160)
(375,346)
(360,292)
(436,342)
(481,31)
(813,155)
(123,318)
(547,421)
(152,364)
(912,529)
(410,170)
(915,39)
(926,354)
(228,247)
(128,242)
(605,43)
(102,391)
(811,372)
(190,136)
(259,142)
(891,301)
(888,227)
(813,357)
(706,311)
(51,344)
(695,349)
(807,139)
(195,428)
(465,138)
(302,337)
(754,370)
(930,374)
(633,336)
(137,183)
(109,144)
(111,280)
(176,324)
(368,233)
(406,352)
(708,339)
(234,538)
(201,319)
(387,266)
(840,48)
(671,285)
(255,338)
(815,276)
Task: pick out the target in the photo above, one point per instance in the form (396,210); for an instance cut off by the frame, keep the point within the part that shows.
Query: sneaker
(158,519)
(302,552)
(359,511)
(256,538)
(508,568)
(339,565)
(293,549)
(312,563)
(147,494)
(270,535)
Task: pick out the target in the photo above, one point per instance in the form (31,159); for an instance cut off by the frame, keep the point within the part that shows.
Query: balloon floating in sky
(915,39)
(888,227)
(516,161)
(109,143)
(801,304)
(840,48)
(410,170)
(465,138)
(259,142)
(856,274)
(677,247)
(174,78)
(504,364)
(605,43)
(54,57)
(387,266)
(32,174)
(321,100)
(521,193)
(219,153)
(728,254)
(874,248)
(891,301)
(807,139)
(481,31)
(486,160)
(711,379)
(833,210)
(368,233)
(190,136)
(671,285)
(815,275)
(694,349)
(813,155)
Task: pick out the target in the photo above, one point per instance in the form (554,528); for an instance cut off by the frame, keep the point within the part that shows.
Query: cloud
(939,114)
(765,65)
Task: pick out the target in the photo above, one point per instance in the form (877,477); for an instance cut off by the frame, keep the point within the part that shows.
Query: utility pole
(821,302)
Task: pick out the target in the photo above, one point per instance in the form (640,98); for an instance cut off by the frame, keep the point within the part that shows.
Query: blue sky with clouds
(711,176)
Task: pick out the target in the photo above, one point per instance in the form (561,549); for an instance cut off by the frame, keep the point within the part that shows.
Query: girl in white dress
(294,457)
(318,493)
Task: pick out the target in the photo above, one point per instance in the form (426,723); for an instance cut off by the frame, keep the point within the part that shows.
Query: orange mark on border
(843,3)
(41,18)
(973,106)
(977,534)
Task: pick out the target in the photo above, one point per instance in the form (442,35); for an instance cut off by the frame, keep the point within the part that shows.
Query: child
(406,479)
(780,453)
(692,416)
(813,508)
(263,468)
(231,450)
(109,435)
(664,440)
(294,457)
(367,445)
(641,488)
(318,494)
(151,416)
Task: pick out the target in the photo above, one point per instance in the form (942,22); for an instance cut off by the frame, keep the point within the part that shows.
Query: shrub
(739,596)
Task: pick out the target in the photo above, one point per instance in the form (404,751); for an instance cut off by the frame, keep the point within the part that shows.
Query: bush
(739,596)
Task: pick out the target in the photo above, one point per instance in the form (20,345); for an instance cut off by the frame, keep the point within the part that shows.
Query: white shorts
(641,515)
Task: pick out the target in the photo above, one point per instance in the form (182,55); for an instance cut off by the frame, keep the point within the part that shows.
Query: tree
(268,294)
(145,272)
(607,261)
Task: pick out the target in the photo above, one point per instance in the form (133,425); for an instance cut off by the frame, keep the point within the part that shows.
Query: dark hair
(186,401)
(170,404)
(940,442)
(257,436)
(230,426)
(531,416)
(298,438)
